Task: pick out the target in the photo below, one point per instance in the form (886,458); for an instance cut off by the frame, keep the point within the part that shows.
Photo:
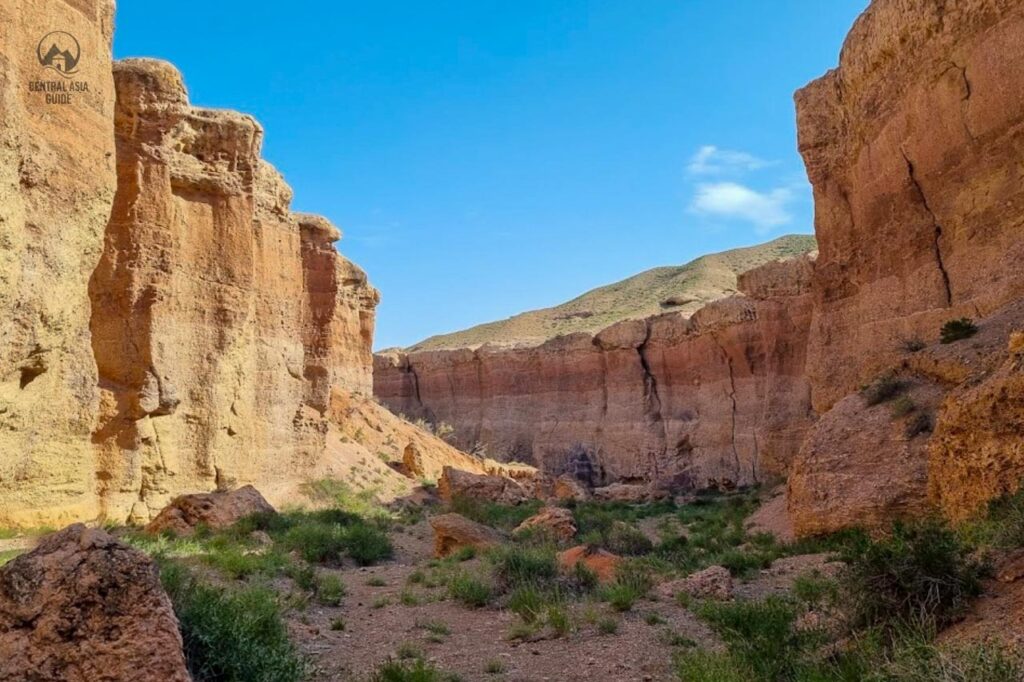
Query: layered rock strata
(718,398)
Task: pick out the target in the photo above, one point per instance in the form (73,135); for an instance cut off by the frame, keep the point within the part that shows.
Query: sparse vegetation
(416,670)
(902,406)
(885,387)
(231,634)
(955,330)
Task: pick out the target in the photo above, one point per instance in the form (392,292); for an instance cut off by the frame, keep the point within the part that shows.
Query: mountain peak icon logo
(59,51)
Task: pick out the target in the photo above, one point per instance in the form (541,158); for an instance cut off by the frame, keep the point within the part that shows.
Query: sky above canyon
(484,158)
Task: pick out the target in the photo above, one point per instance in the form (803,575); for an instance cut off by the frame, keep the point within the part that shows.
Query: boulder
(600,562)
(623,492)
(213,510)
(452,532)
(557,521)
(714,582)
(458,483)
(412,462)
(83,607)
(568,488)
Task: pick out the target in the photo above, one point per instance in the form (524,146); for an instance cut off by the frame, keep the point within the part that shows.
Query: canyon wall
(914,146)
(57,179)
(169,325)
(718,398)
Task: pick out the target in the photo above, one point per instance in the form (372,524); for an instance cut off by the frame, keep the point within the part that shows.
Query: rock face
(56,185)
(83,607)
(557,521)
(912,146)
(453,532)
(221,320)
(488,487)
(718,397)
(214,510)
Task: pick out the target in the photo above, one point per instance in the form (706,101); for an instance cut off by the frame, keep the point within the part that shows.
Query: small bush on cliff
(885,387)
(921,573)
(231,635)
(955,330)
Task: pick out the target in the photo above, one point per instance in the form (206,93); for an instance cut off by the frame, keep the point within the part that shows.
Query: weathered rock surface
(716,398)
(600,562)
(912,146)
(57,181)
(863,465)
(82,607)
(452,532)
(713,582)
(557,521)
(169,325)
(489,487)
(215,510)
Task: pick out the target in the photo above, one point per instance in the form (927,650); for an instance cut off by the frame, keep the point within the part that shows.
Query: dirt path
(479,638)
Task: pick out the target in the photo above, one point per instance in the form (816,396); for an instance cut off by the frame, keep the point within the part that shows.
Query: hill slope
(683,288)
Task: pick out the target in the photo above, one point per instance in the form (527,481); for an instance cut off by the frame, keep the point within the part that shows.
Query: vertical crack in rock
(936,240)
(480,397)
(415,382)
(732,400)
(652,399)
(965,99)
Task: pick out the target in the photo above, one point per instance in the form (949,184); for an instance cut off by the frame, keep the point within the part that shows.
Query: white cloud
(732,200)
(710,160)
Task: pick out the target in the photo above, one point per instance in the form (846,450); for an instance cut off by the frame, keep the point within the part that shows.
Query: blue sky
(485,158)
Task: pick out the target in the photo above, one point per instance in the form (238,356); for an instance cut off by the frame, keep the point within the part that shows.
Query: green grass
(231,635)
(492,514)
(469,589)
(411,671)
(632,582)
(8,555)
(516,565)
(330,589)
(607,625)
(922,572)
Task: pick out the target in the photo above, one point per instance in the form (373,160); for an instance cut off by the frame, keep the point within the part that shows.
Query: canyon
(912,146)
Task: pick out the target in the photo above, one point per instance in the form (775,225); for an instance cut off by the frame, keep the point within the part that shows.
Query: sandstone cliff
(57,181)
(718,398)
(169,324)
(913,146)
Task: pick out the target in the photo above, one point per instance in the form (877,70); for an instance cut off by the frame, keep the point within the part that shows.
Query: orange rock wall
(57,180)
(718,398)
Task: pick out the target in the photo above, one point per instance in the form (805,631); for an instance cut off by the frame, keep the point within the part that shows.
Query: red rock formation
(913,148)
(221,321)
(717,397)
(83,607)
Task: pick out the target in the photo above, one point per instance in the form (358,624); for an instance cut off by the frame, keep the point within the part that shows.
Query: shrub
(329,589)
(231,635)
(608,626)
(469,589)
(955,330)
(366,544)
(239,563)
(338,624)
(494,667)
(709,666)
(632,582)
(319,543)
(622,538)
(884,388)
(493,514)
(918,424)
(559,620)
(758,634)
(920,573)
(410,671)
(528,602)
(902,406)
(516,565)
(913,345)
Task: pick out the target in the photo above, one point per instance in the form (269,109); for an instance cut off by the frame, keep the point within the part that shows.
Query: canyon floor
(691,589)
